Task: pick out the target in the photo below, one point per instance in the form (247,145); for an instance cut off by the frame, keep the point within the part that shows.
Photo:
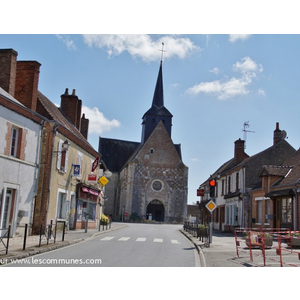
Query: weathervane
(162,51)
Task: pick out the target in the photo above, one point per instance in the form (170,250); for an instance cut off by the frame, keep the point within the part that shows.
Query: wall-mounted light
(64,148)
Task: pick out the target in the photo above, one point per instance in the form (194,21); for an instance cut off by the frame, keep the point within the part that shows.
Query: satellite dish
(283,134)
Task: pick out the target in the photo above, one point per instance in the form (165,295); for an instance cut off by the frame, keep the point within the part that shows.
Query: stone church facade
(149,179)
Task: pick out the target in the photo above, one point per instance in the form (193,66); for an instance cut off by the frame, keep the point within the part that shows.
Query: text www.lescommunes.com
(56,261)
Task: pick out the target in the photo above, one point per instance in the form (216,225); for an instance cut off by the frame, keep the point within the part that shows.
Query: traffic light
(209,218)
(212,185)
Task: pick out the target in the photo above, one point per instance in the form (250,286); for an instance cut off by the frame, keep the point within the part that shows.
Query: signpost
(210,206)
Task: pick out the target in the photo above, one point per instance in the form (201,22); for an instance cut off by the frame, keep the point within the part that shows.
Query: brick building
(149,179)
(42,185)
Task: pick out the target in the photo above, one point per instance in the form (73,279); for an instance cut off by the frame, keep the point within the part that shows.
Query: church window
(157,185)
(151,150)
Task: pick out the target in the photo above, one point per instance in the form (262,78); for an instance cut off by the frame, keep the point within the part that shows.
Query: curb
(198,248)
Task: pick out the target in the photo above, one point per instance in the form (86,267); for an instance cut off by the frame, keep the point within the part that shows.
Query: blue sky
(213,84)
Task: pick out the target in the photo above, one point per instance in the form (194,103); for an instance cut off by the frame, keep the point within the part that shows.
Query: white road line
(141,239)
(124,239)
(108,238)
(158,240)
(174,242)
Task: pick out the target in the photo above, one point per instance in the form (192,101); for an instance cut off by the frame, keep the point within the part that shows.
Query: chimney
(27,81)
(277,134)
(84,129)
(8,69)
(70,105)
(239,151)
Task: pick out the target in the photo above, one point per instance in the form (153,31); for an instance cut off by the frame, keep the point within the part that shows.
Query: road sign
(92,178)
(210,205)
(95,164)
(103,180)
(126,214)
(200,192)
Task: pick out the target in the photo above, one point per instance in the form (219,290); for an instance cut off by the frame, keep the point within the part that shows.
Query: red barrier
(277,241)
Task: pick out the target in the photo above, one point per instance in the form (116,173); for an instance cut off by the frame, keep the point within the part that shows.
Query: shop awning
(91,191)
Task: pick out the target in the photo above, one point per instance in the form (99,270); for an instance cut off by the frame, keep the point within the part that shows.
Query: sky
(213,85)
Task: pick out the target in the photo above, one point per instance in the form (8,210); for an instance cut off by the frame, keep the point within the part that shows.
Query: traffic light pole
(210,228)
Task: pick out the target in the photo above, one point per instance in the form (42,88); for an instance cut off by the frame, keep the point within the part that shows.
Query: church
(149,179)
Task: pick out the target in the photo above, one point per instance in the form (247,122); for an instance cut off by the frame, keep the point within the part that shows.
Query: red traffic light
(212,182)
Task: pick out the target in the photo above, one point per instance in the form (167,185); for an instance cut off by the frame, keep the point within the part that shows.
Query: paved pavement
(222,252)
(15,247)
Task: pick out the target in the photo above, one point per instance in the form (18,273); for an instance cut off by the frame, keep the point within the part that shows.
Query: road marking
(141,239)
(174,242)
(108,238)
(125,238)
(158,240)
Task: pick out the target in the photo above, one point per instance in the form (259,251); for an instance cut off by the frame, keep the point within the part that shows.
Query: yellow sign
(103,180)
(211,206)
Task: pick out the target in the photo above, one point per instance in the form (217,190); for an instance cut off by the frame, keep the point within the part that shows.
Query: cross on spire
(162,51)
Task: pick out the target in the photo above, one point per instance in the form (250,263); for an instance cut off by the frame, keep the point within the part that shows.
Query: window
(237,181)
(14,141)
(259,211)
(223,186)
(286,211)
(229,184)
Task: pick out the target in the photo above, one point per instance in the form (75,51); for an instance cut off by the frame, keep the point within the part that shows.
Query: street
(136,245)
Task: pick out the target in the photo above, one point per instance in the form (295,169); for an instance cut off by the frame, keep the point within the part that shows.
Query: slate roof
(294,174)
(115,152)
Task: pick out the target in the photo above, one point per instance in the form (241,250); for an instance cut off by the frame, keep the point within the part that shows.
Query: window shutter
(59,148)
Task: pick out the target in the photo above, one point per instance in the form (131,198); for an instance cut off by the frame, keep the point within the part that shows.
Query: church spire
(158,97)
(157,112)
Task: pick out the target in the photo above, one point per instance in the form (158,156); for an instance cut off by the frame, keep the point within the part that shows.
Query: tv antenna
(245,129)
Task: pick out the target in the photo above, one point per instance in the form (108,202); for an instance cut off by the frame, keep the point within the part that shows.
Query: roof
(46,108)
(293,176)
(115,152)
(9,96)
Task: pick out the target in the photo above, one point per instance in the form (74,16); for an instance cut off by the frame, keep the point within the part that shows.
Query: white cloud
(98,123)
(215,71)
(235,37)
(262,92)
(232,87)
(69,43)
(141,45)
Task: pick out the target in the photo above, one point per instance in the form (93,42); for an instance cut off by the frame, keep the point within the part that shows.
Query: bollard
(25,237)
(63,234)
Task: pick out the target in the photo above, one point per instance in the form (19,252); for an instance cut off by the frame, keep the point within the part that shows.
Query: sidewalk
(15,247)
(222,252)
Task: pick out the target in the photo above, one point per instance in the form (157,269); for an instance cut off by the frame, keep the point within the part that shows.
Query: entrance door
(156,211)
(284,213)
(6,211)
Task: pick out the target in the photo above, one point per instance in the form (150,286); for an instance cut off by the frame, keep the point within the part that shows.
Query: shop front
(86,206)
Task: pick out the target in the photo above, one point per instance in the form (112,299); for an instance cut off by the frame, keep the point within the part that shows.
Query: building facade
(59,182)
(238,177)
(150,178)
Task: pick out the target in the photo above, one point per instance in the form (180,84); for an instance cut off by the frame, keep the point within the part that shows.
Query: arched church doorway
(156,211)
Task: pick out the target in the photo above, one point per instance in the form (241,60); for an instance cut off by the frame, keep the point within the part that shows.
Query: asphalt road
(136,245)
